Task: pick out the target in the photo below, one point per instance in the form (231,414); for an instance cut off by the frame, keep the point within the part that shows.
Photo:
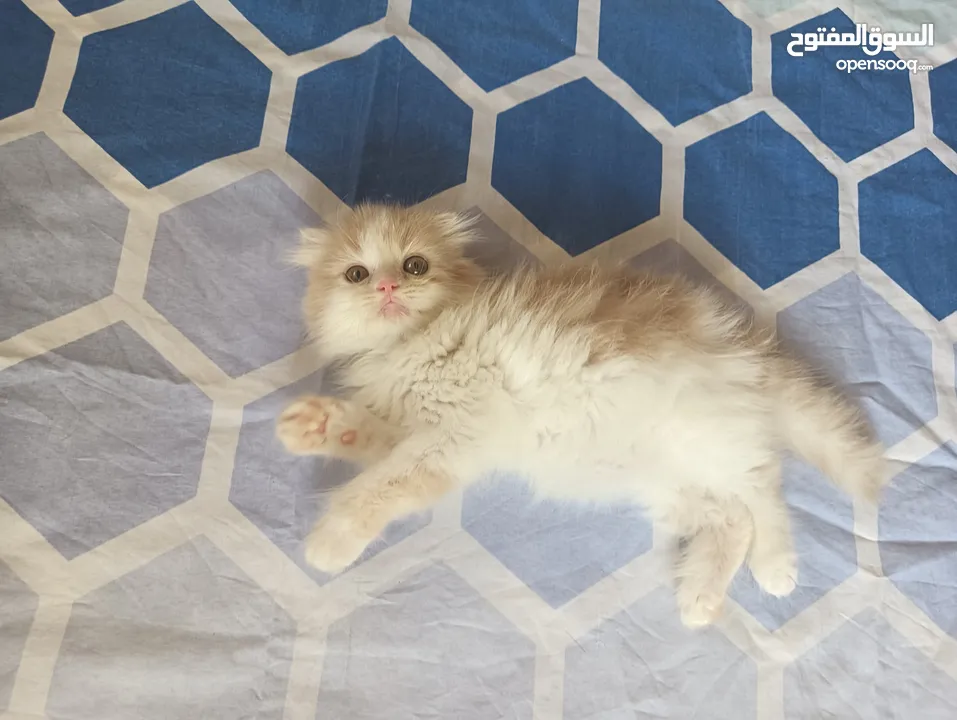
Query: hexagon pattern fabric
(834,116)
(18,606)
(25,42)
(641,662)
(128,431)
(558,551)
(166,94)
(943,82)
(416,137)
(915,524)
(883,676)
(297,25)
(577,196)
(771,229)
(158,161)
(499,41)
(81,7)
(904,233)
(706,48)
(430,620)
(220,273)
(836,327)
(60,229)
(191,592)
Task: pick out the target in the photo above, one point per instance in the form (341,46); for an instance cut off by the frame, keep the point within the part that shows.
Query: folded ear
(312,244)
(457,227)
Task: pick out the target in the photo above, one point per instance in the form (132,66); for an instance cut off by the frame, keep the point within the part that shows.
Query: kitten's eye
(415,265)
(356,274)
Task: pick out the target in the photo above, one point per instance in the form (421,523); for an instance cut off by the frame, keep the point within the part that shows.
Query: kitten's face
(382,273)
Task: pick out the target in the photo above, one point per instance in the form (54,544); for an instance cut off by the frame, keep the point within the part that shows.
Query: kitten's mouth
(391,308)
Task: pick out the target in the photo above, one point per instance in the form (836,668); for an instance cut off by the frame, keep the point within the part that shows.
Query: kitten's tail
(824,428)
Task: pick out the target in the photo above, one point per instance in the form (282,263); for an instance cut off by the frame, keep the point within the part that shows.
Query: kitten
(598,386)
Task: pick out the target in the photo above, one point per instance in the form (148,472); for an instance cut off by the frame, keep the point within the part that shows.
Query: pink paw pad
(348,437)
(314,427)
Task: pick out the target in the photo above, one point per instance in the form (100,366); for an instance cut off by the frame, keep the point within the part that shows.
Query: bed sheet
(157,161)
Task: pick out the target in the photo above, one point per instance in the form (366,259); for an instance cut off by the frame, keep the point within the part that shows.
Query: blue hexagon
(918,535)
(880,359)
(390,129)
(297,25)
(429,647)
(169,93)
(822,523)
(25,42)
(82,7)
(943,93)
(281,493)
(684,58)
(642,663)
(866,669)
(908,214)
(498,41)
(557,549)
(851,112)
(577,166)
(761,199)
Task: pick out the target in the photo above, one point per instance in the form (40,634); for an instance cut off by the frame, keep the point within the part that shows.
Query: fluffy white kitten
(597,386)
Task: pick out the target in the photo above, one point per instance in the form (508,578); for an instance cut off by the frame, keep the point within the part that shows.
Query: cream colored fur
(597,386)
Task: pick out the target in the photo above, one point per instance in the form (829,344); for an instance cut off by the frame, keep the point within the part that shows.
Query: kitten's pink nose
(387,286)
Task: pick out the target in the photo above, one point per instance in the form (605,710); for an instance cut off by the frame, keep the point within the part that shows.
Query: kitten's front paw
(777,575)
(314,425)
(699,607)
(334,544)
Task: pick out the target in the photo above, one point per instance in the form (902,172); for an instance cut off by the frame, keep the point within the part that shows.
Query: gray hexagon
(558,549)
(97,437)
(918,534)
(643,663)
(668,257)
(850,332)
(494,249)
(187,636)
(219,272)
(18,604)
(60,235)
(429,647)
(865,669)
(282,493)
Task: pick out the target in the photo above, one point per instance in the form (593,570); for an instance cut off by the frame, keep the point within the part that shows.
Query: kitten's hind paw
(776,575)
(314,425)
(334,544)
(700,609)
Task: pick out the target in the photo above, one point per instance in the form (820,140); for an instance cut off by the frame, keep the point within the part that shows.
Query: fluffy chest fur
(422,382)
(534,364)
